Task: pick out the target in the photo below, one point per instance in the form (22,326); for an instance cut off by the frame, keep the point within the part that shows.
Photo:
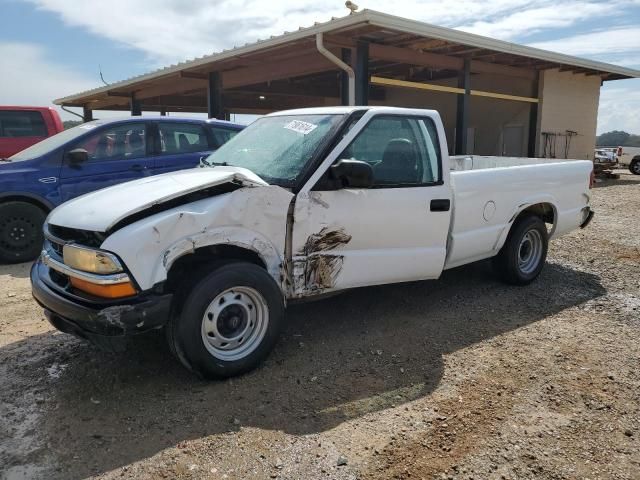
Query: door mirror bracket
(352,173)
(77,156)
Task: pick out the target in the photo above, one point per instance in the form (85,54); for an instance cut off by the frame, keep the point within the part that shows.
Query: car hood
(99,211)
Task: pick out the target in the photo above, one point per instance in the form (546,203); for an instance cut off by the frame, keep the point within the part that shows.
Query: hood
(99,211)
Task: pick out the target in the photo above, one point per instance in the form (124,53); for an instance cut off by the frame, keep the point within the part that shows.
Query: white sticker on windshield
(301,127)
(87,127)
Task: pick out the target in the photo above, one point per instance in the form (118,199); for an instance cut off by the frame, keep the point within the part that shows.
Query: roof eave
(378,19)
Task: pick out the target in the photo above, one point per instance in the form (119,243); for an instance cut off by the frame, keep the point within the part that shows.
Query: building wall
(488,117)
(568,102)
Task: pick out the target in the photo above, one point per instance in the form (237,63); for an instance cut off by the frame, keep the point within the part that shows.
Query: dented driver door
(396,230)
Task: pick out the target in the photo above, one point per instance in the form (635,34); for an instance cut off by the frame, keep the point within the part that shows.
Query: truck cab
(21,127)
(300,204)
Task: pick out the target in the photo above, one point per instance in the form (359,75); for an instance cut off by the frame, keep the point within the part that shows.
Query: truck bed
(460,163)
(488,192)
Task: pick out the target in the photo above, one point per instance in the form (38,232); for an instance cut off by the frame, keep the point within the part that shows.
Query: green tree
(612,139)
(67,124)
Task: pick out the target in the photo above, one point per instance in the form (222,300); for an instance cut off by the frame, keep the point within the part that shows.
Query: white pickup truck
(300,204)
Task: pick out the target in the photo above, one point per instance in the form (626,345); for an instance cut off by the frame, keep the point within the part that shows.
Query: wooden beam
(199,76)
(434,60)
(390,82)
(118,94)
(295,67)
(413,57)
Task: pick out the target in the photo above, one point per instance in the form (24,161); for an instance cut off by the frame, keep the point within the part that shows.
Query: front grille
(56,248)
(74,235)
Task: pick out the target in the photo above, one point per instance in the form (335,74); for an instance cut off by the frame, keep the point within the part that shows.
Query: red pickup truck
(21,127)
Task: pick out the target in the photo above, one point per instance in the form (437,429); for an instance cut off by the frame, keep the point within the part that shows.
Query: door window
(118,142)
(22,124)
(403,151)
(182,138)
(222,135)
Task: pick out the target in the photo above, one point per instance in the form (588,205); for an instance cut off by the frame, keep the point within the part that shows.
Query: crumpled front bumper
(103,322)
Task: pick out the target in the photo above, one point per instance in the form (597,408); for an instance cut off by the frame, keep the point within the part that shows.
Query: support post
(533,122)
(462,112)
(362,73)
(214,96)
(87,113)
(163,112)
(344,78)
(136,109)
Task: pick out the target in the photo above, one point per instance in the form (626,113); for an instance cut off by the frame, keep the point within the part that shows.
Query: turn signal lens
(116,290)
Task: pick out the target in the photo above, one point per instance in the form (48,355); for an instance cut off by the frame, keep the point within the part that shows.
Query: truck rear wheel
(634,166)
(21,234)
(229,321)
(523,255)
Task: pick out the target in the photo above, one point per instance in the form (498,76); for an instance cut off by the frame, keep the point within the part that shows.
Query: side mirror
(77,156)
(352,173)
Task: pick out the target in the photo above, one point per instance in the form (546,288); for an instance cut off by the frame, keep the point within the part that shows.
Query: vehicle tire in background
(21,234)
(229,321)
(523,255)
(634,166)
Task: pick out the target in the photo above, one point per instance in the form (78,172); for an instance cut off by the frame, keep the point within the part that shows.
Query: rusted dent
(326,239)
(320,269)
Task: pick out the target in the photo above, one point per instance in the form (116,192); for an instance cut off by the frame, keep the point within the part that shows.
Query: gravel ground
(458,378)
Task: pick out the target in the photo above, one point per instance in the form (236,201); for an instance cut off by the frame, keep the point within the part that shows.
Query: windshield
(277,149)
(49,144)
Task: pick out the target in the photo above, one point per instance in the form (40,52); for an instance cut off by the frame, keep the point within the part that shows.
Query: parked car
(634,165)
(605,159)
(21,127)
(300,204)
(89,157)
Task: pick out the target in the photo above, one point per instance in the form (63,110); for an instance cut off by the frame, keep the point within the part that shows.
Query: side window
(222,135)
(182,138)
(403,151)
(119,142)
(22,124)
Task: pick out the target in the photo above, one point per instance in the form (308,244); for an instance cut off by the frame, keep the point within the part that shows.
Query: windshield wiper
(214,164)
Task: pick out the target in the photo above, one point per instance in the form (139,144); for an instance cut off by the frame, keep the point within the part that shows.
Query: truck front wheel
(229,321)
(522,257)
(21,234)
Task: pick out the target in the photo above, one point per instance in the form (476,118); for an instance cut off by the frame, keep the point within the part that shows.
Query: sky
(53,48)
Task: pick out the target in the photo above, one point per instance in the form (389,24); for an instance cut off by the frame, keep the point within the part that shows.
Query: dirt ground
(458,378)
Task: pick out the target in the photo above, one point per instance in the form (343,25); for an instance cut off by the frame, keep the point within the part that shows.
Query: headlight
(89,260)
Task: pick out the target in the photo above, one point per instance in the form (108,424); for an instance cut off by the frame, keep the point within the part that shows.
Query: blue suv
(89,157)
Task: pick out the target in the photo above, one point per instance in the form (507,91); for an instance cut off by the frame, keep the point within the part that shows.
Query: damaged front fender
(253,218)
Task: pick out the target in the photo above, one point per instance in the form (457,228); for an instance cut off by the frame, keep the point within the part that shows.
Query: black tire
(259,295)
(634,166)
(521,260)
(21,236)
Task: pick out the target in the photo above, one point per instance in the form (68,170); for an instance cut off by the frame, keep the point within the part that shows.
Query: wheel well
(17,198)
(203,259)
(545,211)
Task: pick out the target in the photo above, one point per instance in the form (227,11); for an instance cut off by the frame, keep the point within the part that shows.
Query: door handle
(137,168)
(440,205)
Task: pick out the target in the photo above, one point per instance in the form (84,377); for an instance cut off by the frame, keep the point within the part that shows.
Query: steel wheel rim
(16,233)
(234,323)
(530,251)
